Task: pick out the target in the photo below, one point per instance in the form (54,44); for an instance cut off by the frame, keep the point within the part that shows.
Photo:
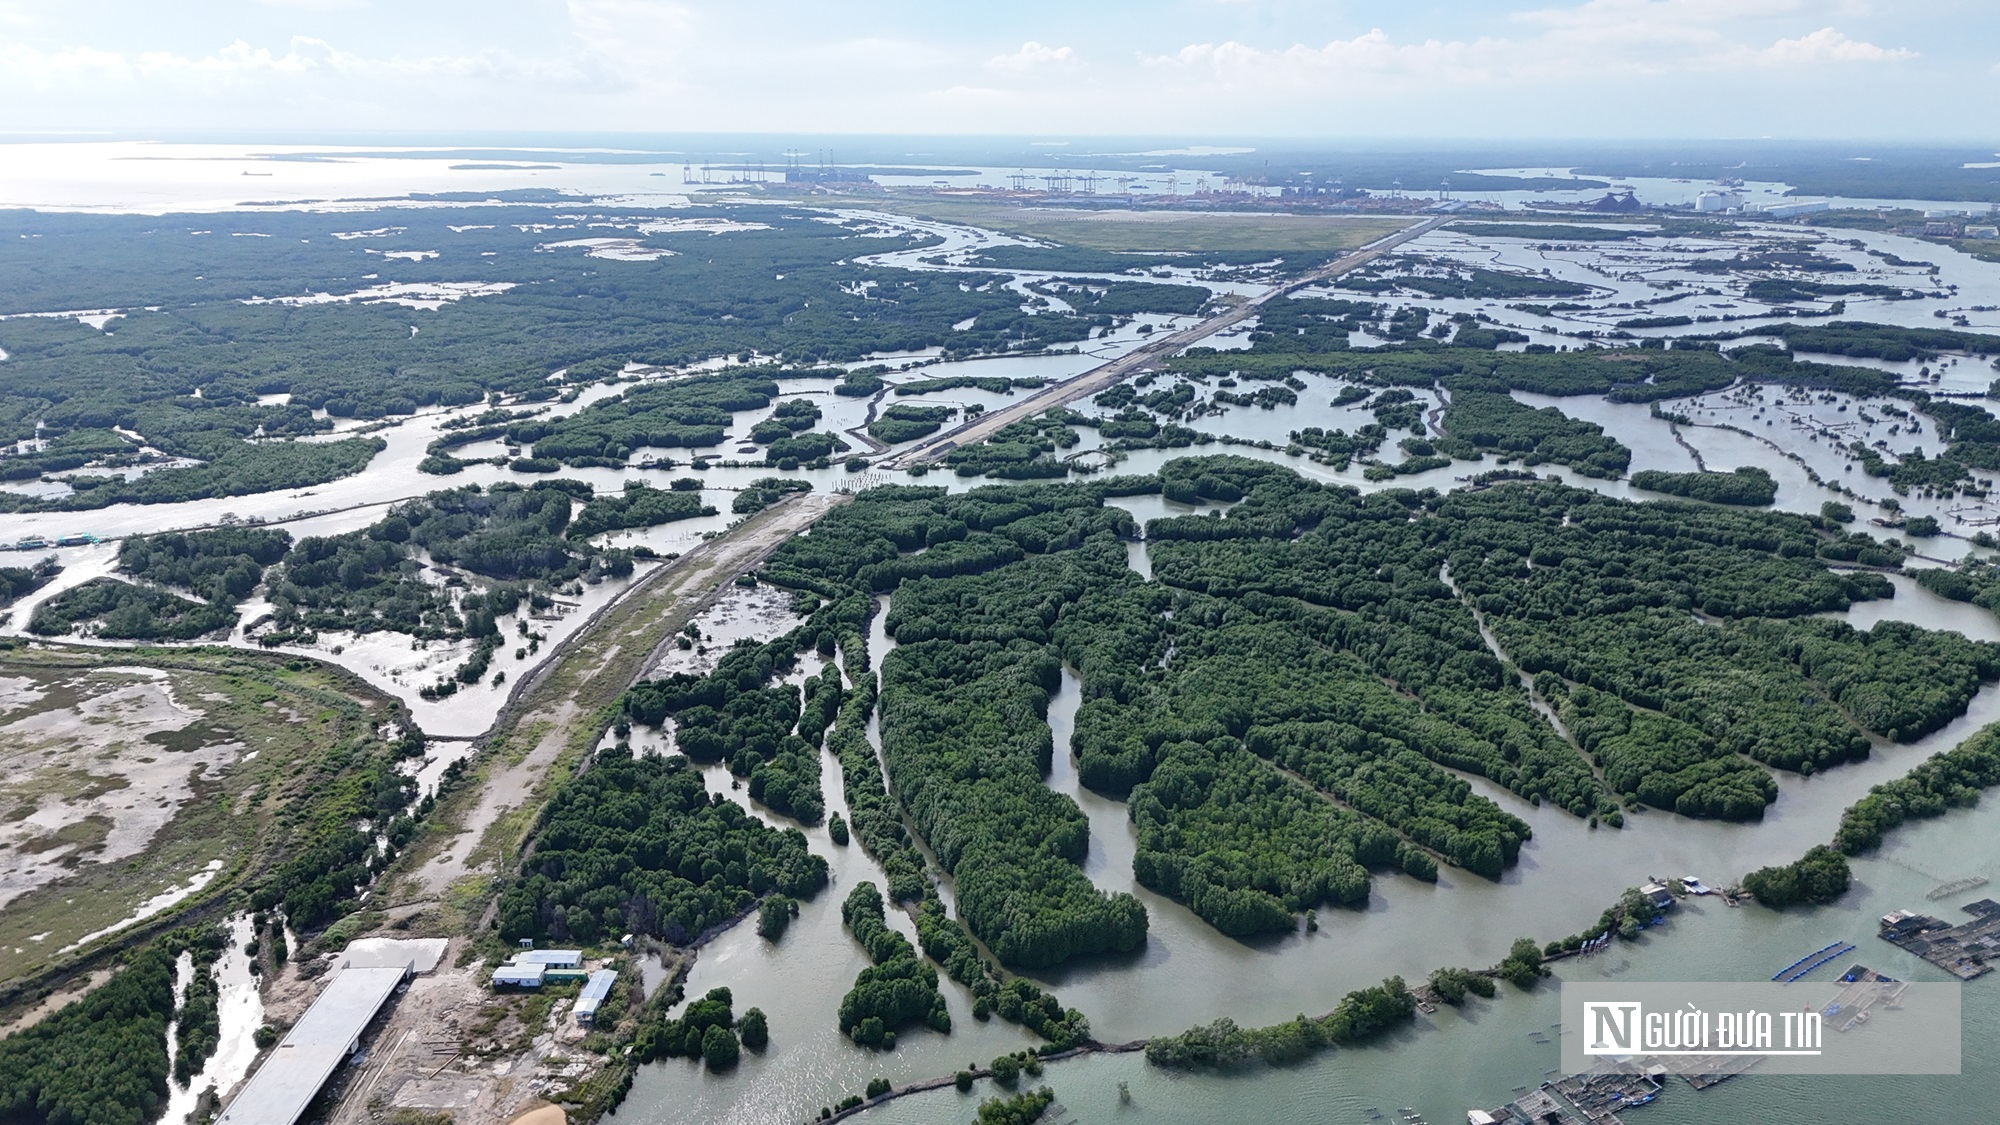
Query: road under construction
(1146,355)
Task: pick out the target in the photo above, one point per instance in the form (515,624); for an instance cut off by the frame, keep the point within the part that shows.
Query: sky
(1357,69)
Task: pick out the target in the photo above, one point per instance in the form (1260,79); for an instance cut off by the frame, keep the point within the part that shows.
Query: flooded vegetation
(1432,607)
(195,766)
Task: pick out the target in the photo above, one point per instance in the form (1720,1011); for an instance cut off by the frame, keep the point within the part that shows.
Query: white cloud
(1600,40)
(973,94)
(1625,13)
(869,54)
(667,64)
(1033,56)
(1662,36)
(1828,45)
(239,63)
(1371,57)
(637,40)
(1630,15)
(316,5)
(631,23)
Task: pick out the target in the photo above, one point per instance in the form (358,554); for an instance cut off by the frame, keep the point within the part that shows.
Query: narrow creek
(1493,645)
(798,981)
(1189,974)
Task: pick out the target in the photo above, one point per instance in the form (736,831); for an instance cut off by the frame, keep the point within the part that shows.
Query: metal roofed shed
(516,975)
(593,996)
(553,958)
(299,1066)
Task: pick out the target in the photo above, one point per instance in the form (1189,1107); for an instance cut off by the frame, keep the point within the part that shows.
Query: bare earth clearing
(562,711)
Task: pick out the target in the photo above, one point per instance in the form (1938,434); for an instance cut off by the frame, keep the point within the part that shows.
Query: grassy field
(1986,250)
(135,774)
(1152,231)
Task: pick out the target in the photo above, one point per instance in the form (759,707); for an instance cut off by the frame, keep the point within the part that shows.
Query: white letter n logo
(1610,1029)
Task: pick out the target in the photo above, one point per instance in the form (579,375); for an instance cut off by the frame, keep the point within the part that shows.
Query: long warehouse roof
(298,1068)
(599,986)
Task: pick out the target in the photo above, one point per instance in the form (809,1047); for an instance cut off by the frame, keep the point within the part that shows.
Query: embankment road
(1142,358)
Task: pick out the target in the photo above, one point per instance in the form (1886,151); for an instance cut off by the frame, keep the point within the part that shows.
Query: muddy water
(798,982)
(1456,1060)
(1919,606)
(1647,277)
(396,664)
(241,1008)
(1187,973)
(1566,874)
(1138,559)
(758,614)
(1276,425)
(1650,439)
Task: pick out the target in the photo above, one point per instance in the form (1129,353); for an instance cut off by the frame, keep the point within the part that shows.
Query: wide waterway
(1187,973)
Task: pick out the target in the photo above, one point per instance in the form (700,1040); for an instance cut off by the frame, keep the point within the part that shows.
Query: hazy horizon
(1601,69)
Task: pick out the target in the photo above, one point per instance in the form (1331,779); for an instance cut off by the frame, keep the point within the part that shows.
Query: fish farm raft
(1964,950)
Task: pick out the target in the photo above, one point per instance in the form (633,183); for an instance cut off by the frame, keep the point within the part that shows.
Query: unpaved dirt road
(446,1046)
(564,708)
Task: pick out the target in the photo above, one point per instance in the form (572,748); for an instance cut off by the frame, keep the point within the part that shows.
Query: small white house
(515,974)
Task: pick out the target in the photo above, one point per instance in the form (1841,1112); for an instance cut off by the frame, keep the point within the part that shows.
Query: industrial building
(1982,232)
(516,975)
(299,1066)
(1788,209)
(593,996)
(552,958)
(532,968)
